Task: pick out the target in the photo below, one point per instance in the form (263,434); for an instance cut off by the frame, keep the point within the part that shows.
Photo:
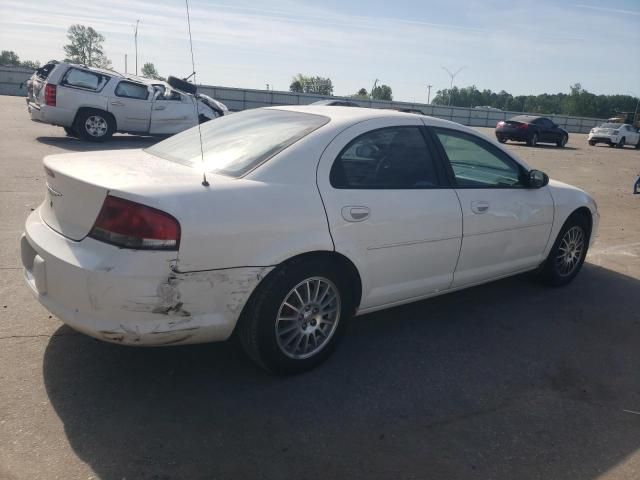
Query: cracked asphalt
(511,380)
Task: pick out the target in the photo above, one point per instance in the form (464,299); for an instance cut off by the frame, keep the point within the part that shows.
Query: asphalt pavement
(510,380)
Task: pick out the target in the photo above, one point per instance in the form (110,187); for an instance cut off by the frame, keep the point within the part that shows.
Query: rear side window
(84,79)
(388,158)
(132,90)
(235,144)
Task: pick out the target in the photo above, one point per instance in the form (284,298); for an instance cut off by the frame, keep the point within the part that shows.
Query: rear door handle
(355,213)
(479,206)
(159,107)
(117,104)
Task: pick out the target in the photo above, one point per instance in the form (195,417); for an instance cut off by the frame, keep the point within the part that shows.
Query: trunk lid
(77,184)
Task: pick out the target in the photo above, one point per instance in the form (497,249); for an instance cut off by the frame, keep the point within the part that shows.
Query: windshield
(232,145)
(610,125)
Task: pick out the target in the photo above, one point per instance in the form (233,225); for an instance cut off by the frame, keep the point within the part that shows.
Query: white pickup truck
(93,103)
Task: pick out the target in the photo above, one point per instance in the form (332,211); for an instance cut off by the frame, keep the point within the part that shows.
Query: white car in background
(615,135)
(307,216)
(94,103)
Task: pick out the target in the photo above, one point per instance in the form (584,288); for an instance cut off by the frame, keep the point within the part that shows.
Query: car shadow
(506,380)
(117,142)
(541,146)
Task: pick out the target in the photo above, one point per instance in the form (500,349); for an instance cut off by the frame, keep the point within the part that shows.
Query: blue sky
(516,45)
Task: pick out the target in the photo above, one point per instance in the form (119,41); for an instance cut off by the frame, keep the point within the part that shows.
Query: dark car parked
(531,129)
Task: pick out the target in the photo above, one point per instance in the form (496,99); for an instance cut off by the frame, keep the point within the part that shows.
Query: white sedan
(289,221)
(615,135)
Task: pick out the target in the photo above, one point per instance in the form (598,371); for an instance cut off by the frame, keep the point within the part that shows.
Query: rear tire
(621,143)
(286,332)
(592,143)
(568,252)
(70,131)
(533,141)
(638,144)
(94,125)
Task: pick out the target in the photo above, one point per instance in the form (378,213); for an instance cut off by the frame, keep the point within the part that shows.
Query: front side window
(478,164)
(132,90)
(235,144)
(388,158)
(84,79)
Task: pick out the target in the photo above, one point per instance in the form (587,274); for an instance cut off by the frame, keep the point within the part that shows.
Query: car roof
(337,113)
(526,118)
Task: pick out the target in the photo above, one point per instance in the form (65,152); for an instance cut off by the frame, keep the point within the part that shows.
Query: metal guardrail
(12,82)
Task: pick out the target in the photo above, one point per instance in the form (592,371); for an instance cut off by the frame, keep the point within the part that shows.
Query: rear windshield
(234,144)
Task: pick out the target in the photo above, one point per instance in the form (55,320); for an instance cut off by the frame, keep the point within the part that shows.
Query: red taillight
(132,225)
(523,126)
(50,95)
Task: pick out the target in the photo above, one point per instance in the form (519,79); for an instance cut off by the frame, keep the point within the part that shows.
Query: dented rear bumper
(132,297)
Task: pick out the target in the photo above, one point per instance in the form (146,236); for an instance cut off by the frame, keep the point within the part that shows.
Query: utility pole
(125,63)
(135,36)
(452,75)
(429,93)
(373,88)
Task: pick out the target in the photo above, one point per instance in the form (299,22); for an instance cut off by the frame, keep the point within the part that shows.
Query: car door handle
(117,104)
(479,206)
(159,107)
(353,213)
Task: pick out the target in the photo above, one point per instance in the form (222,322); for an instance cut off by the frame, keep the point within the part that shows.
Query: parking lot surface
(510,380)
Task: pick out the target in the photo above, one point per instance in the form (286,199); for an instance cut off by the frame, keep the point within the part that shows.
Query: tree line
(578,102)
(324,86)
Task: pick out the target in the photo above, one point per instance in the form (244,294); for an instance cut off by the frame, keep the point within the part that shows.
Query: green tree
(362,94)
(382,92)
(9,57)
(85,47)
(309,84)
(149,71)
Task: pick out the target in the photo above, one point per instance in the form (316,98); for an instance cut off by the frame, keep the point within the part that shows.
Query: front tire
(94,125)
(502,139)
(568,252)
(592,143)
(295,318)
(563,141)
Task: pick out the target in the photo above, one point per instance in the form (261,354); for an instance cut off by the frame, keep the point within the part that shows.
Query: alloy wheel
(308,318)
(96,126)
(570,251)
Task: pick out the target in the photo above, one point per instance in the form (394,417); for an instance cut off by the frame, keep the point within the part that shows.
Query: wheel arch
(340,261)
(81,110)
(585,213)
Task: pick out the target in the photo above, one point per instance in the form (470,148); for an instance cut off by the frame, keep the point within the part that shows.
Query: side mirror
(537,179)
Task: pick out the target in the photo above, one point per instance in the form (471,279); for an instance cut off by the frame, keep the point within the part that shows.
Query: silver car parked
(94,103)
